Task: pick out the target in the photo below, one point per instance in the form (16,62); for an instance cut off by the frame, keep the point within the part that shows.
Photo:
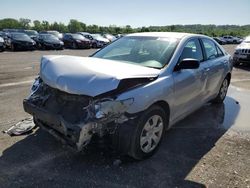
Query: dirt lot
(210,148)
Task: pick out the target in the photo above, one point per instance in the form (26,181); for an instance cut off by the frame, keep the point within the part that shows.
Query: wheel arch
(165,106)
(228,77)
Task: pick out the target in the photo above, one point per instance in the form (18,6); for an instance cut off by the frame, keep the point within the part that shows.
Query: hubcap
(223,90)
(151,133)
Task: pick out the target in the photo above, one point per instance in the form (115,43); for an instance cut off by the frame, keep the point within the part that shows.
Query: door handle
(207,69)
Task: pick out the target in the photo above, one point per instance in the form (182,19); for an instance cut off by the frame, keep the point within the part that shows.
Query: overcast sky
(136,13)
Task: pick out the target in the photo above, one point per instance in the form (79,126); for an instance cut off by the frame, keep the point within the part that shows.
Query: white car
(242,52)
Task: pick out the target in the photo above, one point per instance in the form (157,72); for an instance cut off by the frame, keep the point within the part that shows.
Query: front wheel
(13,48)
(222,92)
(74,45)
(236,63)
(141,138)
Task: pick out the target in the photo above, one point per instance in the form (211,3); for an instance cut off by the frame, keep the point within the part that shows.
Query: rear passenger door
(216,58)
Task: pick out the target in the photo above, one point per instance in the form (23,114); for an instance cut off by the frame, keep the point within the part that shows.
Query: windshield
(97,36)
(20,36)
(146,51)
(30,33)
(49,37)
(78,36)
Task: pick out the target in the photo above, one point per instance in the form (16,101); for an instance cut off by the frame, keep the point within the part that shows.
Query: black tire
(12,47)
(236,63)
(94,45)
(74,45)
(128,136)
(222,92)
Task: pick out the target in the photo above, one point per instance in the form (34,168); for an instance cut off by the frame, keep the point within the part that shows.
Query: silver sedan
(132,90)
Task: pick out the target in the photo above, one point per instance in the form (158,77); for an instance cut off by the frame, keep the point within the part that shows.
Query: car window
(67,36)
(219,52)
(210,49)
(192,50)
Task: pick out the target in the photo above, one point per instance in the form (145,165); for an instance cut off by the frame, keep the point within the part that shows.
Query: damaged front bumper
(72,122)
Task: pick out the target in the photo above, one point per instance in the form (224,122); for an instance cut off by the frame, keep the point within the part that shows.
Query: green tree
(24,23)
(74,26)
(37,25)
(9,23)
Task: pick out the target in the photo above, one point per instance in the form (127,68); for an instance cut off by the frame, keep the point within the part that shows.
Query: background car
(220,40)
(99,41)
(76,41)
(2,44)
(55,33)
(110,37)
(20,41)
(242,52)
(228,39)
(232,40)
(31,33)
(4,36)
(88,36)
(49,41)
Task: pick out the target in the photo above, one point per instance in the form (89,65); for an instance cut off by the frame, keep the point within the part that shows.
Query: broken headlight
(35,85)
(111,108)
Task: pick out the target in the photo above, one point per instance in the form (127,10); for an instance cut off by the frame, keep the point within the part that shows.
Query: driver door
(190,84)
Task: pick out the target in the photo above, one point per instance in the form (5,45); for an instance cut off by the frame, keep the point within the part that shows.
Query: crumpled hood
(87,75)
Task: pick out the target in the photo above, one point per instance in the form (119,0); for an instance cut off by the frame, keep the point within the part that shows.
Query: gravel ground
(209,148)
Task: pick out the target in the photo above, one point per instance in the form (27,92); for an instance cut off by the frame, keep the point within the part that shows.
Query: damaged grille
(72,108)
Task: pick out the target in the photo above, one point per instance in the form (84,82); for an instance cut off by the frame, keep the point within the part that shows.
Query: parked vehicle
(220,40)
(4,36)
(76,41)
(20,41)
(12,30)
(232,40)
(100,41)
(119,36)
(131,90)
(238,40)
(242,52)
(2,44)
(49,42)
(110,37)
(88,36)
(31,33)
(55,33)
(228,39)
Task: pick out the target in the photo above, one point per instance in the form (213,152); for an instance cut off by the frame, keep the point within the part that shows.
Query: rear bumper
(55,125)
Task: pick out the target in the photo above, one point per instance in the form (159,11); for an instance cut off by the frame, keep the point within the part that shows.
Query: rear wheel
(222,92)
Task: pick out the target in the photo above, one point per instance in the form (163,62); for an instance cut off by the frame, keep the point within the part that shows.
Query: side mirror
(187,63)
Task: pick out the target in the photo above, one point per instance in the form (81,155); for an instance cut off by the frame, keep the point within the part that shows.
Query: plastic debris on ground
(23,127)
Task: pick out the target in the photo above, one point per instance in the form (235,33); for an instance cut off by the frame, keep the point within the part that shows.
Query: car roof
(164,34)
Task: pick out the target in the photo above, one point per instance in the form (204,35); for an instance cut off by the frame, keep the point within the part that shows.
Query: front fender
(146,95)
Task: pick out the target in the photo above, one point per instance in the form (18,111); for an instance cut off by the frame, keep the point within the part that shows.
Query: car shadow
(243,66)
(40,161)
